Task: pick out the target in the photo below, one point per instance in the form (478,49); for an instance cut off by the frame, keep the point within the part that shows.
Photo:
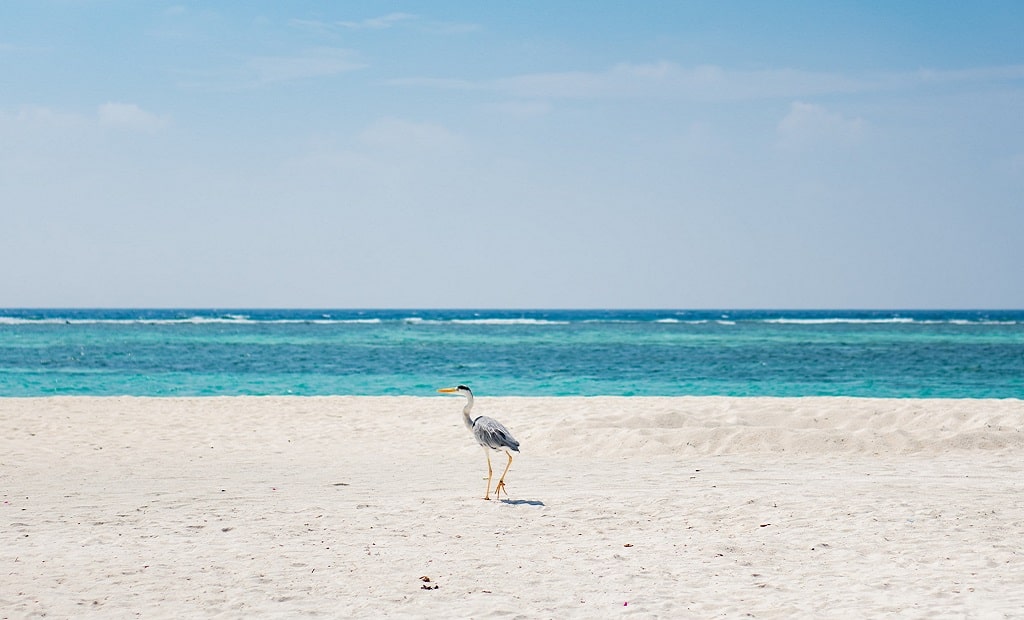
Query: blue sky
(531,154)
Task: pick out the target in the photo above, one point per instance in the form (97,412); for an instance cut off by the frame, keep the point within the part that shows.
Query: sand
(648,507)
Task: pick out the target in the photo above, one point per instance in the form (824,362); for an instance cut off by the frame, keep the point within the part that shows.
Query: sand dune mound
(663,426)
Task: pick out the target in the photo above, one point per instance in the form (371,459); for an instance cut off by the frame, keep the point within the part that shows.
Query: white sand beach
(650,507)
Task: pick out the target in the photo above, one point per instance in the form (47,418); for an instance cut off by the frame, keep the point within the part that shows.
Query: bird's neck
(465,411)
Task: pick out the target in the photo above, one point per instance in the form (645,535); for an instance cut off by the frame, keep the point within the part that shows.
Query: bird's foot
(500,488)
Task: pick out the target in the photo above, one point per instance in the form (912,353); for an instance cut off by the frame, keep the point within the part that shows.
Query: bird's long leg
(490,473)
(501,481)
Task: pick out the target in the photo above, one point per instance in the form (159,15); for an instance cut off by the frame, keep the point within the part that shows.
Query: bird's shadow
(523,502)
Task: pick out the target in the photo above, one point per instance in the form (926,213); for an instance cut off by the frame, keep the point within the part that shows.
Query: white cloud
(129,116)
(316,62)
(38,117)
(445,28)
(663,79)
(399,135)
(377,23)
(655,80)
(258,71)
(521,109)
(976,74)
(387,22)
(39,121)
(669,80)
(808,124)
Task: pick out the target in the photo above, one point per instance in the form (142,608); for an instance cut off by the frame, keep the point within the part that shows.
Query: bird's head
(459,389)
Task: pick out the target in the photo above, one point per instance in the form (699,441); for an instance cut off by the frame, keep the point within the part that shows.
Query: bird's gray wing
(493,434)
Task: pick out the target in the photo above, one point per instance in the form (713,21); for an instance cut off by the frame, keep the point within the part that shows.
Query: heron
(491,435)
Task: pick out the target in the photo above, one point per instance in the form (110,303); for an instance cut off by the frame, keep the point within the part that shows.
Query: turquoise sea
(911,354)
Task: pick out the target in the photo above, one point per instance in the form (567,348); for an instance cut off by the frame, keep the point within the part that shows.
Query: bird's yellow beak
(447,390)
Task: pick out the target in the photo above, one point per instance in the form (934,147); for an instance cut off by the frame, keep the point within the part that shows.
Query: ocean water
(906,354)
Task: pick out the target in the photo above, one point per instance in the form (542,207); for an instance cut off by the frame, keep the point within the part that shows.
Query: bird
(491,435)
